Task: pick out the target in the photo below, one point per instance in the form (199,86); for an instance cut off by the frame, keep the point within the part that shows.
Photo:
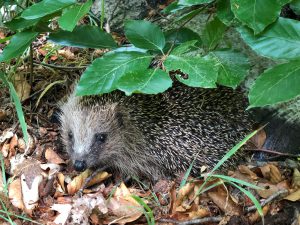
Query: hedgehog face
(91,135)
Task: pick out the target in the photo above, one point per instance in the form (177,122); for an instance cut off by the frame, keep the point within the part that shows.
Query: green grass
(223,179)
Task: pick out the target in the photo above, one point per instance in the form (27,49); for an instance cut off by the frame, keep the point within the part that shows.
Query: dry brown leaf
(259,139)
(3,115)
(64,212)
(78,181)
(296,179)
(101,176)
(272,173)
(245,170)
(66,53)
(61,181)
(5,150)
(12,144)
(123,207)
(224,201)
(53,157)
(200,212)
(6,134)
(30,193)
(184,193)
(15,194)
(270,189)
(295,196)
(22,86)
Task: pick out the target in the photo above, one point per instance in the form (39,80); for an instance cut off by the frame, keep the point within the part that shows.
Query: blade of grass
(47,89)
(186,175)
(147,210)
(232,179)
(18,106)
(225,157)
(252,198)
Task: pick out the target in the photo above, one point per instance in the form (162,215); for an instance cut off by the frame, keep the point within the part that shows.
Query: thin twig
(266,201)
(272,152)
(59,67)
(195,221)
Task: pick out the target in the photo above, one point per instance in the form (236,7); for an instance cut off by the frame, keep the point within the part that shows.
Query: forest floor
(39,186)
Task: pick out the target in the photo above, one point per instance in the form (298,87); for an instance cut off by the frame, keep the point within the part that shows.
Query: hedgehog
(154,136)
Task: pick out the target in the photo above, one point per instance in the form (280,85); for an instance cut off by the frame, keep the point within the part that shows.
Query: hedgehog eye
(100,137)
(70,136)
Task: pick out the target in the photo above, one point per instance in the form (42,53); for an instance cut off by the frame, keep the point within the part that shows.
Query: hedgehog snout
(80,165)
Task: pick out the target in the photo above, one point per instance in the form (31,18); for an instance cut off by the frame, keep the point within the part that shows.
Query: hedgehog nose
(80,165)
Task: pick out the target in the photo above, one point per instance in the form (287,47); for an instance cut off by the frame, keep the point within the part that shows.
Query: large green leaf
(102,76)
(175,37)
(73,14)
(213,33)
(46,7)
(224,12)
(144,34)
(193,2)
(278,84)
(279,41)
(18,44)
(20,23)
(233,67)
(202,72)
(257,14)
(295,6)
(150,81)
(84,37)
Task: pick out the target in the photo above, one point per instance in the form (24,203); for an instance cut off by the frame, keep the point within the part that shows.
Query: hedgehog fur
(154,136)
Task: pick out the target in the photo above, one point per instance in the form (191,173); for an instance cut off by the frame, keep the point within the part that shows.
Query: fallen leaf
(123,207)
(15,194)
(296,179)
(64,212)
(52,157)
(224,201)
(30,193)
(6,134)
(22,86)
(295,196)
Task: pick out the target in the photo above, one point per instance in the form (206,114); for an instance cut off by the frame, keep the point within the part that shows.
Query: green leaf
(295,6)
(72,15)
(46,7)
(84,37)
(233,67)
(20,23)
(278,84)
(257,14)
(103,75)
(144,34)
(18,106)
(188,16)
(224,12)
(179,36)
(173,7)
(202,72)
(151,81)
(213,33)
(18,44)
(281,40)
(184,48)
(193,2)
